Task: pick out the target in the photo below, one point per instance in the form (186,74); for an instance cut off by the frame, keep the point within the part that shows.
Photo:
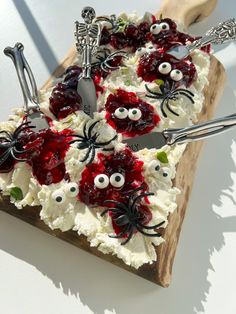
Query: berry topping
(130,115)
(48,160)
(112,177)
(161,66)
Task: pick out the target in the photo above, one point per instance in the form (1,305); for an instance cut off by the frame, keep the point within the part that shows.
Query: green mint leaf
(16,193)
(162,157)
(159,82)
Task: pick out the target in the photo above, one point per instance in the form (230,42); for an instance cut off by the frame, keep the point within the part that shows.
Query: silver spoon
(182,135)
(32,109)
(220,34)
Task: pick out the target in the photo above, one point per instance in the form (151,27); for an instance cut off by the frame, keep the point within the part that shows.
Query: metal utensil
(30,94)
(87,41)
(182,135)
(220,34)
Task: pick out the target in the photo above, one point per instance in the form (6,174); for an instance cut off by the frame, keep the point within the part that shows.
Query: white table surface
(41,274)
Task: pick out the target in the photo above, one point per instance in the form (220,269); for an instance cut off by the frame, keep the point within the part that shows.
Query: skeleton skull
(88,14)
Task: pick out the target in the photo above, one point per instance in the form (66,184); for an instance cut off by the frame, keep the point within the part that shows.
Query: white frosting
(71,213)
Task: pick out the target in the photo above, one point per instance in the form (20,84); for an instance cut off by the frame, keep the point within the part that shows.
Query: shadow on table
(37,35)
(100,285)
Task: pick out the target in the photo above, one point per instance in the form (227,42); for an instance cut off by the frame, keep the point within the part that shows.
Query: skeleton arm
(80,34)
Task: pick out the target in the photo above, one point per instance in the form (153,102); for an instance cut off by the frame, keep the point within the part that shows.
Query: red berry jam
(64,101)
(150,63)
(130,115)
(47,161)
(123,163)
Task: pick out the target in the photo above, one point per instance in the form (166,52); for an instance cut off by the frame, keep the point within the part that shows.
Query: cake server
(182,135)
(32,109)
(220,34)
(87,37)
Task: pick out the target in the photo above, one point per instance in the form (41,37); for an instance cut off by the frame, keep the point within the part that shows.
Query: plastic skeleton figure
(87,36)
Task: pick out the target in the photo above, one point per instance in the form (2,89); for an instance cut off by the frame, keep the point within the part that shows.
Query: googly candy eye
(59,196)
(164,26)
(164,68)
(101,181)
(121,113)
(155,166)
(176,75)
(166,172)
(155,29)
(134,114)
(71,189)
(141,51)
(117,180)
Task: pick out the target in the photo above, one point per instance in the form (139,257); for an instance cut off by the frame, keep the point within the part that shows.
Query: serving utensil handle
(200,131)
(30,93)
(225,31)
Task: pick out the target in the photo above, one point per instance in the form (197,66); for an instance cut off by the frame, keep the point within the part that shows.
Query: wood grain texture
(160,271)
(187,12)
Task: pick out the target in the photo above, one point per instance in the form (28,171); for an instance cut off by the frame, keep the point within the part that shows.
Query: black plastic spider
(169,92)
(129,217)
(11,145)
(112,19)
(89,141)
(106,58)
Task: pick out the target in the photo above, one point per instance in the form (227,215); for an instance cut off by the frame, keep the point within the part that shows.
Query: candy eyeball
(134,114)
(101,181)
(166,173)
(155,166)
(121,113)
(117,180)
(71,189)
(164,68)
(176,75)
(59,196)
(150,49)
(164,26)
(141,51)
(155,29)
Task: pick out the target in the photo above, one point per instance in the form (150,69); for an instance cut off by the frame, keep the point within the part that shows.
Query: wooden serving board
(160,271)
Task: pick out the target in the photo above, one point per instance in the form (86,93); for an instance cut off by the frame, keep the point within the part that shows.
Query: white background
(41,274)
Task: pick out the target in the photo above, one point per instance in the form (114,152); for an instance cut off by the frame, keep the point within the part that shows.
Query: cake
(79,171)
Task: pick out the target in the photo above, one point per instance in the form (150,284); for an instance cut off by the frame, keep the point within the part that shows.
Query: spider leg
(148,234)
(108,142)
(7,133)
(186,95)
(93,150)
(151,92)
(16,158)
(91,128)
(185,91)
(121,234)
(131,232)
(103,67)
(21,151)
(110,209)
(6,144)
(139,197)
(119,204)
(110,67)
(86,155)
(107,149)
(4,156)
(169,108)
(74,141)
(162,107)
(151,227)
